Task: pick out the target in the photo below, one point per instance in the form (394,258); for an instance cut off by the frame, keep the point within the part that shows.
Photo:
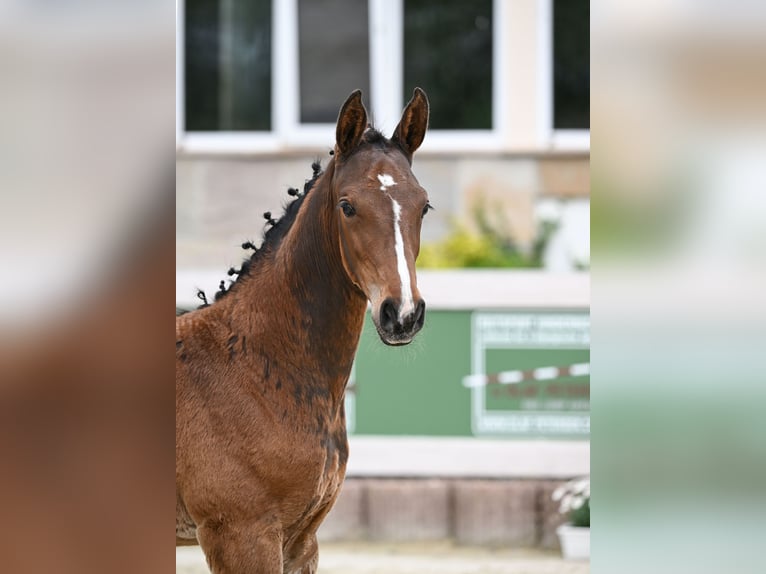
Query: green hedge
(486,243)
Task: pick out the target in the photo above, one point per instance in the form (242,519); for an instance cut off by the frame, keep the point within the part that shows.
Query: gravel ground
(421,558)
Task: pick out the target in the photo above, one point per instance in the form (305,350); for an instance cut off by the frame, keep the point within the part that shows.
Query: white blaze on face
(386,181)
(408,306)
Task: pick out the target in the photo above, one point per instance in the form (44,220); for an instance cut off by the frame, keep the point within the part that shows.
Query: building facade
(260,84)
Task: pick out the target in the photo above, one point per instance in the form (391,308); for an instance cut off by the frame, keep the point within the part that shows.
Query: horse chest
(322,476)
(323,460)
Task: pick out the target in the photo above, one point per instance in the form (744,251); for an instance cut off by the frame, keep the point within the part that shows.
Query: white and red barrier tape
(514,377)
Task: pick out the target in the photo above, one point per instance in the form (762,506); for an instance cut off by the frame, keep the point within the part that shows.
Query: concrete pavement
(416,558)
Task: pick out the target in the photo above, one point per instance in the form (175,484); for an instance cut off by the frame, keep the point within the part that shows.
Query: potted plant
(574,501)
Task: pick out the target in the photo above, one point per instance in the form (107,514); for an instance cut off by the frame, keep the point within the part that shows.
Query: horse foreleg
(309,568)
(312,565)
(307,560)
(241,548)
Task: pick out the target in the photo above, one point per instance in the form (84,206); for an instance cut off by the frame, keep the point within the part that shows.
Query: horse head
(380,206)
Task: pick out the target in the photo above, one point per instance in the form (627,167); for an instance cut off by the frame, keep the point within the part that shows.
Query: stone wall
(508,513)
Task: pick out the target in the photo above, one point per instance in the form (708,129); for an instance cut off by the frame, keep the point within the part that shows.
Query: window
(334,58)
(227,73)
(263,75)
(448,52)
(564,73)
(571,64)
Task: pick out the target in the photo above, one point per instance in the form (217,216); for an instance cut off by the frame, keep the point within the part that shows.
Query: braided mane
(277,228)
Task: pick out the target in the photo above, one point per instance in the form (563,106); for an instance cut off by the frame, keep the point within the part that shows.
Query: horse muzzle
(396,327)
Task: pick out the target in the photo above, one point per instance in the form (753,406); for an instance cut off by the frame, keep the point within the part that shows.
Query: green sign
(530,374)
(503,374)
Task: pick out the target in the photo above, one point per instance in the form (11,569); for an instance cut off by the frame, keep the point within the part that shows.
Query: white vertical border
(548,136)
(285,86)
(500,77)
(477,368)
(386,23)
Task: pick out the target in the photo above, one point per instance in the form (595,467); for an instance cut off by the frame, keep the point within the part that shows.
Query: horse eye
(426,209)
(348,209)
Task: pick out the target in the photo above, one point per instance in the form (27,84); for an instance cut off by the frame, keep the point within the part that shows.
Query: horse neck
(303,298)
(311,265)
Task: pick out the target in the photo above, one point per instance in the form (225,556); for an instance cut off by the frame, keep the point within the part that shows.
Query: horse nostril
(389,316)
(420,314)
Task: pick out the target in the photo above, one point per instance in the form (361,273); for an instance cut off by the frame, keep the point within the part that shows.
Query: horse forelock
(374,138)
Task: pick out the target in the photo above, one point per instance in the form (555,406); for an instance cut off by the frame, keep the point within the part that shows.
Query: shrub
(490,245)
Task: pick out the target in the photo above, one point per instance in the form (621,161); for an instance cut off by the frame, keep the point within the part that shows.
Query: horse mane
(275,232)
(277,228)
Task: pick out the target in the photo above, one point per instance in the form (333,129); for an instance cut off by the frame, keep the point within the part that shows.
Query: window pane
(571,64)
(227,69)
(448,53)
(334,56)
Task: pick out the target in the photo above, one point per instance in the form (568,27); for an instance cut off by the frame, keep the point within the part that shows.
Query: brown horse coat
(261,445)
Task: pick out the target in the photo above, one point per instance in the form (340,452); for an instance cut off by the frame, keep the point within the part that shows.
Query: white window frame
(386,32)
(293,132)
(462,140)
(548,135)
(228,142)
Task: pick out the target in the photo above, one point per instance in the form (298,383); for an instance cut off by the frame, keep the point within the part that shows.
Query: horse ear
(352,121)
(412,127)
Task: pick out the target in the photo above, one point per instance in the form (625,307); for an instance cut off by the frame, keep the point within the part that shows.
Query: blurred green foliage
(627,222)
(581,516)
(486,243)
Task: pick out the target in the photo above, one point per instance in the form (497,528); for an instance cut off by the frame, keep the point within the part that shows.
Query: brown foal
(261,443)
